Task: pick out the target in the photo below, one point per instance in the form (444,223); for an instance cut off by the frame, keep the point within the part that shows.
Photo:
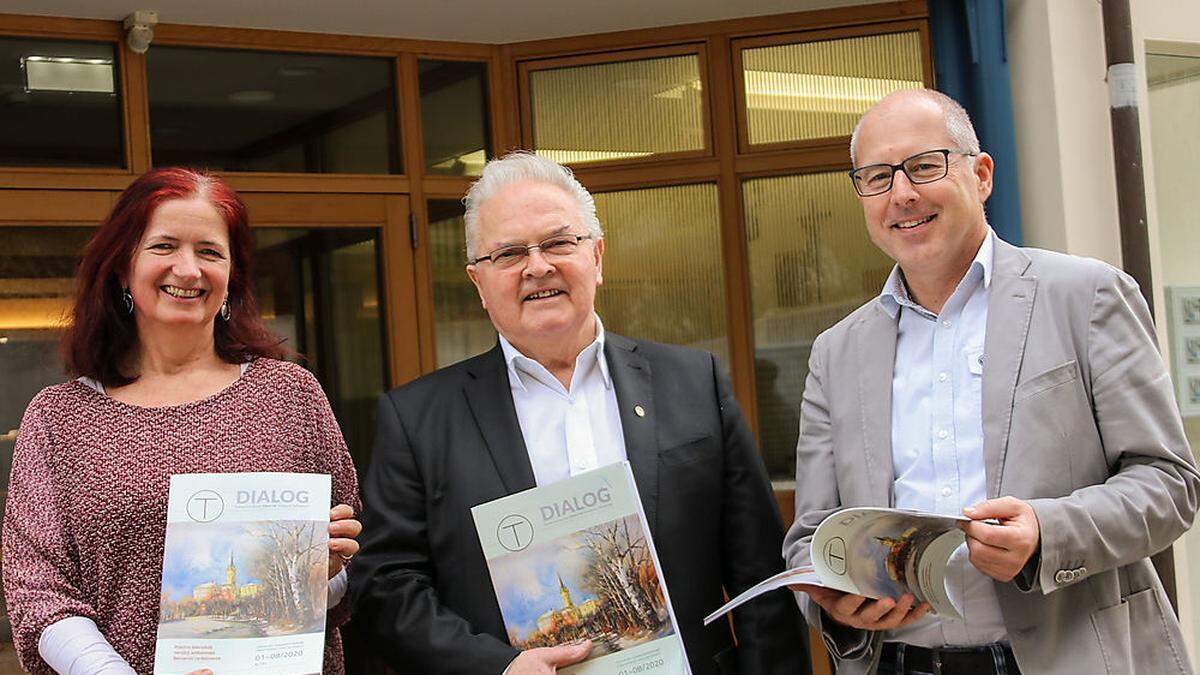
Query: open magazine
(574,561)
(245,574)
(877,553)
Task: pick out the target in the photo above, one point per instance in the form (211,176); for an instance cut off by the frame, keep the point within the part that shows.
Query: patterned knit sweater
(87,504)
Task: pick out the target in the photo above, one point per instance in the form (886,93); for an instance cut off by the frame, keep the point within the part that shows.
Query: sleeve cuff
(75,646)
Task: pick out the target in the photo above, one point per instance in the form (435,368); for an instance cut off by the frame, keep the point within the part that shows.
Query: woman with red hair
(175,374)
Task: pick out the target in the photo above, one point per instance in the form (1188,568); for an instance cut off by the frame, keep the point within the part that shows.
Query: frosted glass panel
(461,326)
(663,274)
(811,263)
(618,110)
(814,90)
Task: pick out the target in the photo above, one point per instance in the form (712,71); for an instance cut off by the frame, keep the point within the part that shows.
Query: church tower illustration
(566,594)
(230,572)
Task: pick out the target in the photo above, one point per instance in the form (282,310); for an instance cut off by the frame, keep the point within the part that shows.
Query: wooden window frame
(745,147)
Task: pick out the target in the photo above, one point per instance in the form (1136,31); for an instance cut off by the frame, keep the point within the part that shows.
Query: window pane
(36,284)
(319,289)
(460,324)
(236,110)
(617,110)
(663,274)
(813,90)
(811,263)
(59,104)
(454,116)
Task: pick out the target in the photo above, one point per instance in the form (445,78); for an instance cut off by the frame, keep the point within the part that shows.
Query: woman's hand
(343,528)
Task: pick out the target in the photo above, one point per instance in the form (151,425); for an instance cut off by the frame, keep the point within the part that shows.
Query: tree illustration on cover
(596,584)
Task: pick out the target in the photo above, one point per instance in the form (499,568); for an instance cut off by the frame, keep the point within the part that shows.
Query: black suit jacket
(451,440)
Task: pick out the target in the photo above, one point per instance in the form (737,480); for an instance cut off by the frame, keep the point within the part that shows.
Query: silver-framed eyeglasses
(557,247)
(923,167)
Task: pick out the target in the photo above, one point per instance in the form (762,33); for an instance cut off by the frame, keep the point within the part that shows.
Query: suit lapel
(490,397)
(1010,305)
(630,374)
(875,342)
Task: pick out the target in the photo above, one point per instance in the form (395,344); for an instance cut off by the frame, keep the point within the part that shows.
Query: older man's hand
(1000,549)
(546,660)
(858,611)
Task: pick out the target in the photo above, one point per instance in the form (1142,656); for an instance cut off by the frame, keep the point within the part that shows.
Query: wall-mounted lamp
(139,30)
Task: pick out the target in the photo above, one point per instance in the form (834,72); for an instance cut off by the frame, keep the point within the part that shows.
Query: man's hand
(544,660)
(858,611)
(1001,550)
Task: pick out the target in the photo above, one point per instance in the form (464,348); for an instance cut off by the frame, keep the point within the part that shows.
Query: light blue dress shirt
(937,436)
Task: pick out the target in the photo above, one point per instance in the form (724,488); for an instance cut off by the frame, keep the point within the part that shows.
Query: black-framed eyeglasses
(558,246)
(923,167)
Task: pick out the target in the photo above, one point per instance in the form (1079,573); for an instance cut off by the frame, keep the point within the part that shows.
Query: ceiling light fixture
(68,74)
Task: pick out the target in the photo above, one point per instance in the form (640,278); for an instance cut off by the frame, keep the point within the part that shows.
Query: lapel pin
(641,412)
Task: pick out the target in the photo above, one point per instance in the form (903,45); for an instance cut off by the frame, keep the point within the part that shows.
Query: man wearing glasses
(557,396)
(1018,387)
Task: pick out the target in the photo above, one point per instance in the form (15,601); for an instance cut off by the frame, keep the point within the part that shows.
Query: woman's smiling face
(179,272)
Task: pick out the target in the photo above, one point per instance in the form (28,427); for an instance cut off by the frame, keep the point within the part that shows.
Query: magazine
(573,561)
(877,553)
(245,574)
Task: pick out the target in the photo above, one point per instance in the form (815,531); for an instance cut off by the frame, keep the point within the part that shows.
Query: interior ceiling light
(68,74)
(252,96)
(298,71)
(806,92)
(575,156)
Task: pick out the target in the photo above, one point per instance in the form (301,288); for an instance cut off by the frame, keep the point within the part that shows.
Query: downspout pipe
(1131,185)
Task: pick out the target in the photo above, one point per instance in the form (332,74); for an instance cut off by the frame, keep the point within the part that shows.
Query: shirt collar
(521,366)
(895,293)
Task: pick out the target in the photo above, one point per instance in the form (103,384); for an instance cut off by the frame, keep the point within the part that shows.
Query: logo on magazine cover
(835,555)
(515,532)
(577,505)
(205,506)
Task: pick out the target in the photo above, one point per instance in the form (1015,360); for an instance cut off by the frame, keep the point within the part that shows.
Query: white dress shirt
(566,432)
(937,437)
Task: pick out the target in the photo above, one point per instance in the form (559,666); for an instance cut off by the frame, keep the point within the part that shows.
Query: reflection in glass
(1173,105)
(36,284)
(812,90)
(663,274)
(617,110)
(454,116)
(237,110)
(811,263)
(460,324)
(59,104)
(319,289)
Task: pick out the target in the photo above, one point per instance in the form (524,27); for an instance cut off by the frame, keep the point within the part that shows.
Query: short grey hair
(520,166)
(958,122)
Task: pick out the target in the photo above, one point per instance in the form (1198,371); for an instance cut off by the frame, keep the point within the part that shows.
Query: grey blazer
(1079,419)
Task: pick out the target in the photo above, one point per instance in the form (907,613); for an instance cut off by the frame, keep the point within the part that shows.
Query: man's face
(930,226)
(542,302)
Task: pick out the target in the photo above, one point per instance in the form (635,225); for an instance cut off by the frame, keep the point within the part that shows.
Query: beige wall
(1064,151)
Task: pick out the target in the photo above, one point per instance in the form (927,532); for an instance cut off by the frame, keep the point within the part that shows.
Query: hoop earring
(225,313)
(127,297)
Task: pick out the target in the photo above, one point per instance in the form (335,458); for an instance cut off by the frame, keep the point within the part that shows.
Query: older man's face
(932,225)
(541,304)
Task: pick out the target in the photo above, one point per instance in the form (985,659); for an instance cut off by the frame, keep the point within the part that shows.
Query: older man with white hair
(558,395)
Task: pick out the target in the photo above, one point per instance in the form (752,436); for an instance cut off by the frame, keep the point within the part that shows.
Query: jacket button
(1061,576)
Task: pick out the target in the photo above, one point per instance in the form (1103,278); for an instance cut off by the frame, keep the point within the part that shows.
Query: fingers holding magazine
(859,611)
(343,528)
(545,660)
(1002,536)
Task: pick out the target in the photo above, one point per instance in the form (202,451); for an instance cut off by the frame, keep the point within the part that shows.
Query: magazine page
(885,553)
(798,575)
(573,561)
(245,574)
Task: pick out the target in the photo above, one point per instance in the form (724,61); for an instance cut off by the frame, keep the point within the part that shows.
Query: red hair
(102,334)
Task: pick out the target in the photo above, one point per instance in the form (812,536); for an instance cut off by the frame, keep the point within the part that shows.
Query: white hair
(522,166)
(958,122)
